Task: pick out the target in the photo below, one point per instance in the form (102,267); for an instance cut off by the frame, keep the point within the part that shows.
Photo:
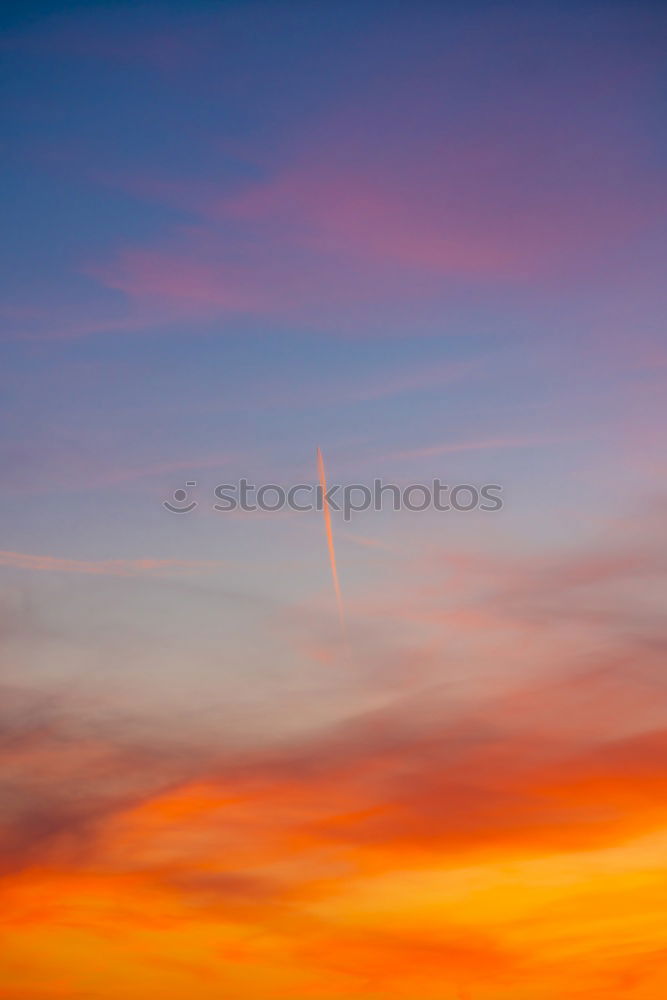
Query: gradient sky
(430,239)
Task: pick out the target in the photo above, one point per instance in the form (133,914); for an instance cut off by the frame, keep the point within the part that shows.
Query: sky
(429,239)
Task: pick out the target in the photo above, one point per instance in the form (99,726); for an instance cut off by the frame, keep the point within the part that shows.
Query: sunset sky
(430,239)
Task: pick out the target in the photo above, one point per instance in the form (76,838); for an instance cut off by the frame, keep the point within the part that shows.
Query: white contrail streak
(330,543)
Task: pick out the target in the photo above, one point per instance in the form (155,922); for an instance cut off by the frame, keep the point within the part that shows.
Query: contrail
(330,542)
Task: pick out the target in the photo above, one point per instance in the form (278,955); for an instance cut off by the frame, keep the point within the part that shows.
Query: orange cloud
(382,860)
(494,845)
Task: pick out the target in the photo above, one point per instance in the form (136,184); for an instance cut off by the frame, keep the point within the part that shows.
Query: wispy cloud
(482,444)
(105,567)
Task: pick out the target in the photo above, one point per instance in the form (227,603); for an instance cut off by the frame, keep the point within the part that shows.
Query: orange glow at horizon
(162,909)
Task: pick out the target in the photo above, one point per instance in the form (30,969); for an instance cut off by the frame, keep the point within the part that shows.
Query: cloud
(430,838)
(293,847)
(387,208)
(484,444)
(408,778)
(103,567)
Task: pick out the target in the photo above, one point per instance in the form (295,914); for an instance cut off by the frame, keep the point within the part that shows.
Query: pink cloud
(483,444)
(103,567)
(393,198)
(321,244)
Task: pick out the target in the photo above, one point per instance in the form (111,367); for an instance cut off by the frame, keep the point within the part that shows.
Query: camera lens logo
(180,504)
